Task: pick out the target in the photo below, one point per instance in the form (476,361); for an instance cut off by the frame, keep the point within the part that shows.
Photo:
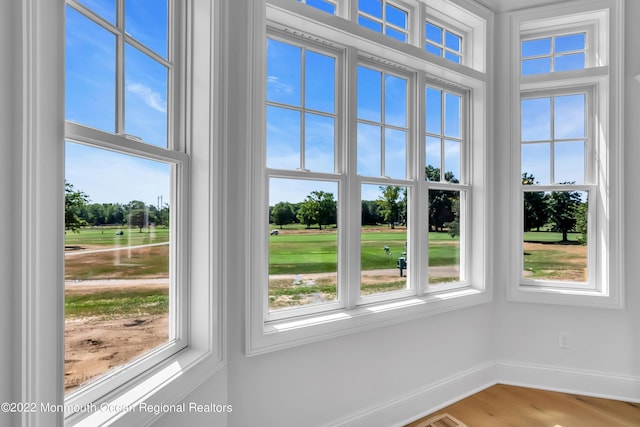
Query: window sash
(173,154)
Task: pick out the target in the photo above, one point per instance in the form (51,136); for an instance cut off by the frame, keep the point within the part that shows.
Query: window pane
(396,16)
(537,47)
(395,143)
(433,49)
(104,8)
(569,116)
(453,57)
(453,41)
(147,21)
(303,242)
(569,162)
(395,100)
(371,7)
(283,138)
(452,115)
(434,158)
(117,251)
(555,236)
(398,35)
(322,5)
(369,146)
(383,240)
(570,42)
(536,160)
(569,62)
(320,82)
(283,72)
(145,97)
(444,236)
(319,143)
(90,73)
(536,66)
(434,111)
(370,24)
(369,94)
(536,119)
(434,33)
(452,161)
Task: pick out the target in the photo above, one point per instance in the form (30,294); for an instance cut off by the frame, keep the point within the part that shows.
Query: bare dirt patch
(94,346)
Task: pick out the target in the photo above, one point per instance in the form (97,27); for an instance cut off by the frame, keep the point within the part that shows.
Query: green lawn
(316,253)
(107,236)
(115,304)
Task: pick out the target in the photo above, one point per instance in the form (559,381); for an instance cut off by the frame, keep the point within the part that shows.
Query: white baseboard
(423,401)
(568,380)
(436,396)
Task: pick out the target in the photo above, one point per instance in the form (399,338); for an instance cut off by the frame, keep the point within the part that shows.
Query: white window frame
(383,21)
(42,283)
(265,335)
(443,46)
(603,80)
(589,54)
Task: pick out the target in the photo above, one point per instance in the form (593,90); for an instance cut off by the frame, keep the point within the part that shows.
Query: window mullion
(351,286)
(120,84)
(418,222)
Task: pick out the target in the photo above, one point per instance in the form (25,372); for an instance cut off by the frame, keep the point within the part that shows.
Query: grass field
(295,251)
(546,257)
(107,236)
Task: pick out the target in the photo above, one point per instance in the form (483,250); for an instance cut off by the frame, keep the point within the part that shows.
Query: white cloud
(275,84)
(149,96)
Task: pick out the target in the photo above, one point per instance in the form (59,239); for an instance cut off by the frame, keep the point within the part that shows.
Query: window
(384,17)
(364,203)
(569,159)
(442,42)
(553,54)
(132,126)
(125,174)
(556,159)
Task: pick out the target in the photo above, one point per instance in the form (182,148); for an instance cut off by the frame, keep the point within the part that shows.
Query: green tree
(319,207)
(454,225)
(563,206)
(282,214)
(389,204)
(370,213)
(137,214)
(582,214)
(535,205)
(75,203)
(440,201)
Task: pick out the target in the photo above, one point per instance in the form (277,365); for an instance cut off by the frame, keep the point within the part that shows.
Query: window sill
(137,402)
(283,334)
(565,296)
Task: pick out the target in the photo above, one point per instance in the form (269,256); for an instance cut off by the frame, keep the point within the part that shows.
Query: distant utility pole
(160,210)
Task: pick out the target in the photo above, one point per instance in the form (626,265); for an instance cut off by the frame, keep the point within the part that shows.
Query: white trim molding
(433,397)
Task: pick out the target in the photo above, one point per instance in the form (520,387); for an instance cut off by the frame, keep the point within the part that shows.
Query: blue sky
(91,100)
(301,117)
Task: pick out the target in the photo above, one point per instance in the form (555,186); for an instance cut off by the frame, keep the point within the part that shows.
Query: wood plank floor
(510,406)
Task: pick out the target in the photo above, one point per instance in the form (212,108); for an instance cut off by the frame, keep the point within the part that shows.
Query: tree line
(320,208)
(558,211)
(79,212)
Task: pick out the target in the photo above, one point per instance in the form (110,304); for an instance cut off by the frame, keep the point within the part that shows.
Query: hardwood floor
(510,406)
